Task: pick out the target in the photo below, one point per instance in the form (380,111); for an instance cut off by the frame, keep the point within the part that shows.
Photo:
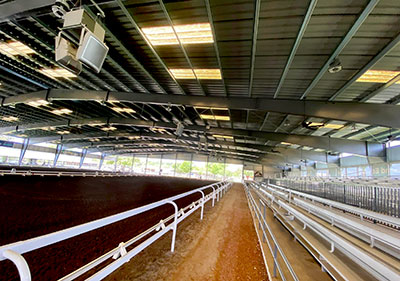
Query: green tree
(216,169)
(183,168)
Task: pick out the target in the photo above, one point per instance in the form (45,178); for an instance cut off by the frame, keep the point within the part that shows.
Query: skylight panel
(9,118)
(378,76)
(57,72)
(182,73)
(198,33)
(15,48)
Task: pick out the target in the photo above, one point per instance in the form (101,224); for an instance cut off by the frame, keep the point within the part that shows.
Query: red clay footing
(224,246)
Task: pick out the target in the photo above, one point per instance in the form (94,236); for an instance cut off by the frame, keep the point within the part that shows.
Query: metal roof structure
(275,100)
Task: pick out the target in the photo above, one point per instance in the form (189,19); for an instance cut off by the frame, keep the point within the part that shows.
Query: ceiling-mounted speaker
(92,51)
(66,55)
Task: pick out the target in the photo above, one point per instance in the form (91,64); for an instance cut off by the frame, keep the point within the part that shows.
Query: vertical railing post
(213,195)
(175,224)
(275,260)
(202,205)
(20,263)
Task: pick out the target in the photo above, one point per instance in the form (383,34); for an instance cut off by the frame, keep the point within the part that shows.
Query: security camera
(61,7)
(335,66)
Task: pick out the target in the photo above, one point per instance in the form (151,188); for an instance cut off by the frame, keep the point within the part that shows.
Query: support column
(133,163)
(59,149)
(176,157)
(145,166)
(103,155)
(159,168)
(24,147)
(242,170)
(115,163)
(83,155)
(207,168)
(224,168)
(191,163)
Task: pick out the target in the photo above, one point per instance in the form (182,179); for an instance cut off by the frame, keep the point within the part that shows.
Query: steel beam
(83,156)
(24,147)
(368,9)
(254,44)
(326,143)
(389,47)
(379,89)
(375,114)
(296,45)
(12,8)
(57,154)
(300,154)
(103,155)
(139,30)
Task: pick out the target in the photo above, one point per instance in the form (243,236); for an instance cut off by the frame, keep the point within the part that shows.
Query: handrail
(373,266)
(22,247)
(333,218)
(376,268)
(363,213)
(276,248)
(350,224)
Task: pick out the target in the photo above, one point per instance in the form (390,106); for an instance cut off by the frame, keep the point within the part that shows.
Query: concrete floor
(223,246)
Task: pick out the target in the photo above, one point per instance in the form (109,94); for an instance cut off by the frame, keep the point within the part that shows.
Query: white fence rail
(14,251)
(363,213)
(272,243)
(373,266)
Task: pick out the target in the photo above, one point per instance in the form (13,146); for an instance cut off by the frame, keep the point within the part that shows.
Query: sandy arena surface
(223,246)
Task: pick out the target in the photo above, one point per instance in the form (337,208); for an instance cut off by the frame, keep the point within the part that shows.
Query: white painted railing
(362,213)
(14,251)
(374,266)
(273,245)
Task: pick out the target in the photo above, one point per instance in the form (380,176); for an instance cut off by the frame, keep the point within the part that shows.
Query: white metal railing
(274,246)
(362,213)
(14,251)
(331,217)
(334,219)
(370,264)
(58,173)
(373,266)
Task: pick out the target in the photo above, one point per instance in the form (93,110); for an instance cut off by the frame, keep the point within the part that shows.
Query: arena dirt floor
(223,246)
(33,206)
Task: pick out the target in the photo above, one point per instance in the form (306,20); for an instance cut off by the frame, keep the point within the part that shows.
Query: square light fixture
(49,129)
(215,117)
(123,109)
(198,33)
(378,76)
(203,73)
(15,48)
(61,111)
(9,118)
(327,126)
(211,108)
(161,130)
(333,126)
(223,137)
(58,72)
(63,132)
(109,129)
(37,103)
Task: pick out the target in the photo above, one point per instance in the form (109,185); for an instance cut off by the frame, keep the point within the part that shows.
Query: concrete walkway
(223,246)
